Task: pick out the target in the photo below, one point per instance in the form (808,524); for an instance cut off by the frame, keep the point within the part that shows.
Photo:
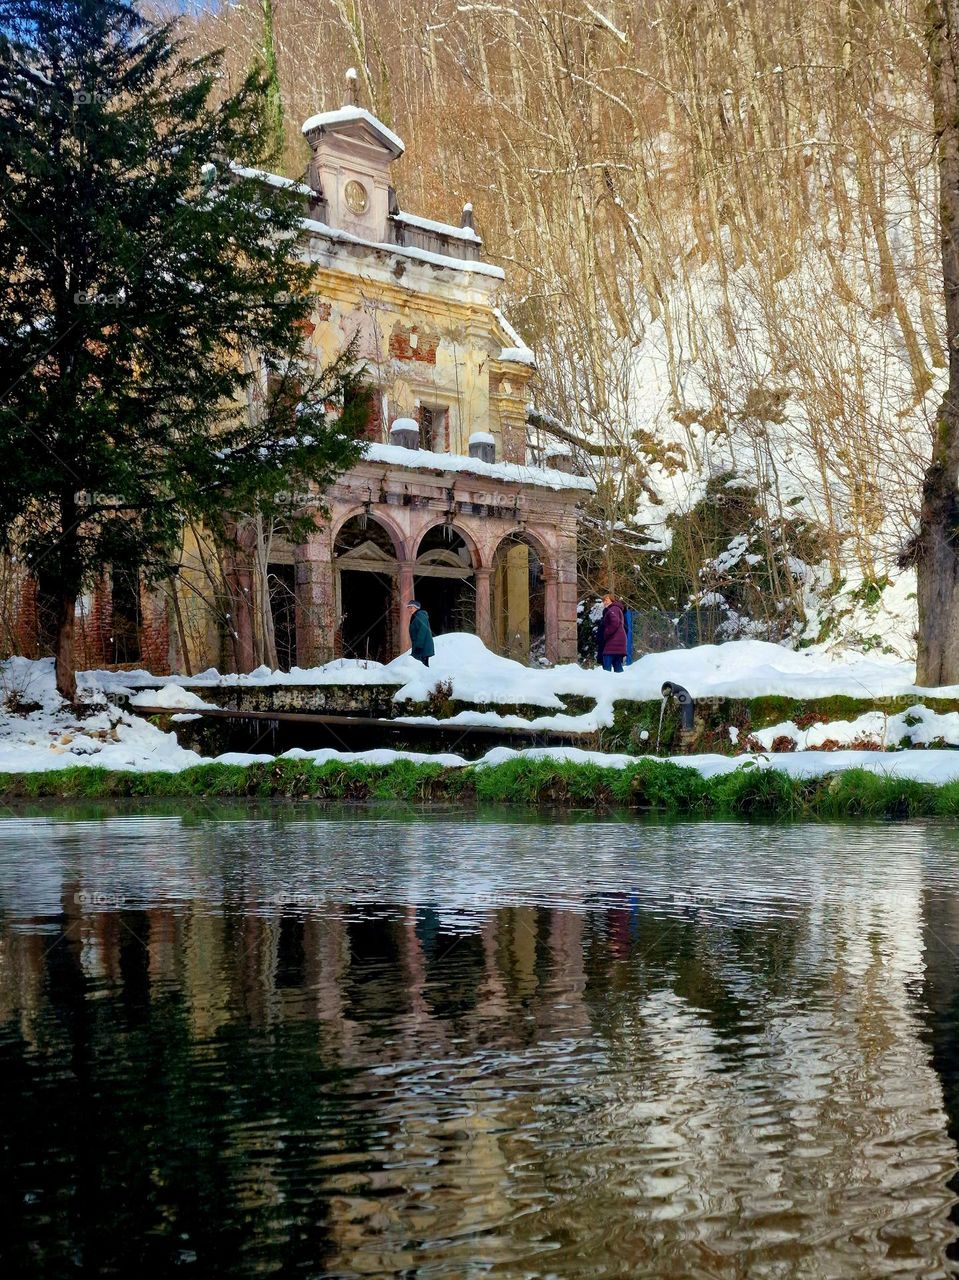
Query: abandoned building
(443,507)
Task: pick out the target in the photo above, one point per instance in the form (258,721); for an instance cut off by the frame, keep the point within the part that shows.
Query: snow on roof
(420,255)
(424,459)
(347,114)
(272,179)
(519,351)
(518,355)
(482,437)
(442,228)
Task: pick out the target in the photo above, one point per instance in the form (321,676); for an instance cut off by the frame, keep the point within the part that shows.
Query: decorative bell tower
(350,167)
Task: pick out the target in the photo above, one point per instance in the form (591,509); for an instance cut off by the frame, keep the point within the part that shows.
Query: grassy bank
(649,786)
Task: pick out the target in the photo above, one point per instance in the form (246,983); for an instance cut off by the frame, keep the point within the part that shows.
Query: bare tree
(937,545)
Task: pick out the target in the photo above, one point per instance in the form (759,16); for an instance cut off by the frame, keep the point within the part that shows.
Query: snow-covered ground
(38,732)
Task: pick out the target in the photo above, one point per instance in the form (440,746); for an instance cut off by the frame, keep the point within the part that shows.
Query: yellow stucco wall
(424,348)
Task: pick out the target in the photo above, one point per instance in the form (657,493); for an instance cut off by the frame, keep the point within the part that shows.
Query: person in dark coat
(421,637)
(612,634)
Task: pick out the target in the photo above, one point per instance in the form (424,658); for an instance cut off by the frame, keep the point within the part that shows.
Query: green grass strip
(648,786)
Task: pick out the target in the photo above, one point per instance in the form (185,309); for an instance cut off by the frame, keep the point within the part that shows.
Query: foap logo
(295,898)
(488,498)
(98,899)
(86,97)
(688,902)
(90,298)
(287,498)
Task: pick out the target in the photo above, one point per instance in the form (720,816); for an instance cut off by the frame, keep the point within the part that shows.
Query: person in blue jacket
(421,637)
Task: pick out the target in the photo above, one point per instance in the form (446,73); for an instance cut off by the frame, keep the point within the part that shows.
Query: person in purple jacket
(612,634)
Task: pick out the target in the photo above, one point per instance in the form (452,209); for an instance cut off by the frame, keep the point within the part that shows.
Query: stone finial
(467,219)
(405,432)
(352,88)
(482,446)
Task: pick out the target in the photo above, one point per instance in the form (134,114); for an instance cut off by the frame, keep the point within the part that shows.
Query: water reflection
(371,1048)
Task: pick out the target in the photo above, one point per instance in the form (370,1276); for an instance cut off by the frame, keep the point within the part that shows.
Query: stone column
(550,585)
(566,600)
(405,588)
(484,616)
(517,601)
(239,579)
(315,603)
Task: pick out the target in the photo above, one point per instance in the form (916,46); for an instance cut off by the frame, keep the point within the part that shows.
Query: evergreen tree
(154,306)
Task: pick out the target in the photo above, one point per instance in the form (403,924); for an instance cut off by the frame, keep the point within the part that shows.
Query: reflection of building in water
(940,1006)
(446,1063)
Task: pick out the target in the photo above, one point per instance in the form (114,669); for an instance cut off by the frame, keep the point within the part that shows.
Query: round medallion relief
(356,196)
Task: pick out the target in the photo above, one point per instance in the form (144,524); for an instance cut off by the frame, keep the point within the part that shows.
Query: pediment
(369,553)
(353,126)
(439,556)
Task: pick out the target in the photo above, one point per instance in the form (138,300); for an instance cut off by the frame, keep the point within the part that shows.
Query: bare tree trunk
(937,546)
(264,542)
(68,585)
(65,663)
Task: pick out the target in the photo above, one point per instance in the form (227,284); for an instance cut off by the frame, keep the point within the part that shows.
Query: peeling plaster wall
(428,335)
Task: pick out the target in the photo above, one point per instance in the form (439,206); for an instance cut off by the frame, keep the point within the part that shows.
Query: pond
(274,1043)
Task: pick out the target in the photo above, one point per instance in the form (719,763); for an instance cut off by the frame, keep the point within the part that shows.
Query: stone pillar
(517,601)
(240,580)
(405,589)
(566,600)
(550,587)
(155,648)
(238,572)
(315,603)
(484,617)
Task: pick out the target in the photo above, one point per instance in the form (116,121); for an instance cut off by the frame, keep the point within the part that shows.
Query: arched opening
(444,582)
(518,603)
(366,566)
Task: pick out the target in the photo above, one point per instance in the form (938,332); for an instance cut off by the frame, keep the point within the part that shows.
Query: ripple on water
(453,1047)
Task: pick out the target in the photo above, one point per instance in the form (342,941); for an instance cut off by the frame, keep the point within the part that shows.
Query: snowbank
(169,695)
(737,669)
(37,732)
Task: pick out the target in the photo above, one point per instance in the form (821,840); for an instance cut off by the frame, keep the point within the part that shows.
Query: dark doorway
(450,603)
(443,581)
(366,601)
(48,608)
(366,571)
(282,583)
(125,604)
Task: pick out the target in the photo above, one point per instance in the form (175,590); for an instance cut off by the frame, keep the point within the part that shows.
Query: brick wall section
(94,627)
(93,630)
(154,632)
(514,442)
(401,347)
(374,422)
(28,624)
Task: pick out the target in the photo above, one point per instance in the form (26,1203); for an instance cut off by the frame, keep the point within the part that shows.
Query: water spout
(662,712)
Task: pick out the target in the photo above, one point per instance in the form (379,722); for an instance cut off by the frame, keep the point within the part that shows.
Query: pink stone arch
(385,522)
(465,534)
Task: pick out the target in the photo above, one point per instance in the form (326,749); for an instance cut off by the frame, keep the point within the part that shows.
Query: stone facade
(490,549)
